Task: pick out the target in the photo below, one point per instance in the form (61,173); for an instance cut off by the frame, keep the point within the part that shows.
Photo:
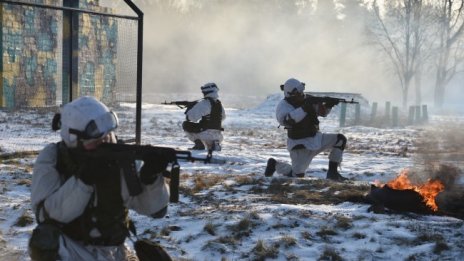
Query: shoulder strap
(211,101)
(191,105)
(64,163)
(40,206)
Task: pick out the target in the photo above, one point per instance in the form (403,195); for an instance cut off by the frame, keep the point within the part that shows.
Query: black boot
(333,173)
(270,167)
(292,175)
(198,145)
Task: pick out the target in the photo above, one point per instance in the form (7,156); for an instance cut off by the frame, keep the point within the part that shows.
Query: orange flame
(428,191)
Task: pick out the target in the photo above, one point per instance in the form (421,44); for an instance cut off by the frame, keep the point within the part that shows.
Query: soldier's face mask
(207,89)
(98,127)
(296,93)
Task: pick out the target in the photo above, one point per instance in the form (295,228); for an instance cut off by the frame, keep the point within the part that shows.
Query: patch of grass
(325,232)
(402,241)
(261,251)
(245,180)
(202,182)
(368,174)
(220,244)
(189,238)
(279,225)
(227,240)
(440,247)
(150,233)
(215,246)
(25,182)
(242,226)
(24,220)
(358,235)
(254,215)
(343,222)
(18,155)
(292,257)
(306,235)
(330,254)
(193,184)
(210,228)
(426,237)
(313,191)
(288,241)
(165,231)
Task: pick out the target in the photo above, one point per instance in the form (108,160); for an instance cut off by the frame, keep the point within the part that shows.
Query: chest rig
(214,119)
(105,219)
(307,127)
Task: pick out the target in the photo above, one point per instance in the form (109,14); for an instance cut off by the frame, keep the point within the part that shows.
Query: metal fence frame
(71,11)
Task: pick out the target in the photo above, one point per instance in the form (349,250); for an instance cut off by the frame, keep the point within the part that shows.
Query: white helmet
(293,86)
(86,118)
(209,88)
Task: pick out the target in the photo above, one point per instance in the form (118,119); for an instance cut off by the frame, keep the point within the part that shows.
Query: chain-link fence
(56,51)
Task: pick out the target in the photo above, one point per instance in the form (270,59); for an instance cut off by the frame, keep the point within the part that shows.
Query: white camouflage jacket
(66,201)
(285,111)
(203,108)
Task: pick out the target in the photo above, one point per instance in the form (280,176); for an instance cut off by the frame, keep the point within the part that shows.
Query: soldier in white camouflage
(300,117)
(82,204)
(203,124)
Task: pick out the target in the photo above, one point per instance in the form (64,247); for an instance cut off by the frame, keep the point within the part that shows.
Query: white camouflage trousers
(207,137)
(301,158)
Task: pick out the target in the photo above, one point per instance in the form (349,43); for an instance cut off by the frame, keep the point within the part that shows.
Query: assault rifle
(126,154)
(181,104)
(327,99)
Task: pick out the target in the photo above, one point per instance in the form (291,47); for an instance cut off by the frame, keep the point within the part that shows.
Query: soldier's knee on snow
(161,213)
(341,142)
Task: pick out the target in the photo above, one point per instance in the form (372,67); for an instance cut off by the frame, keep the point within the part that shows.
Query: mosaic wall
(31,44)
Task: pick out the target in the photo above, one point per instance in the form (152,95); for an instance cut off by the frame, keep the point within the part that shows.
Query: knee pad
(341,142)
(299,147)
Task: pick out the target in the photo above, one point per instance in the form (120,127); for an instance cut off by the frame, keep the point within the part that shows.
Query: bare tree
(423,36)
(449,51)
(398,31)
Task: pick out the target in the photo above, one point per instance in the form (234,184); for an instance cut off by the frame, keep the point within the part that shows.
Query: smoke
(440,153)
(251,47)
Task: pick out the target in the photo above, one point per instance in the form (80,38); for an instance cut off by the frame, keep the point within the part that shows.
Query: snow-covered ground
(232,212)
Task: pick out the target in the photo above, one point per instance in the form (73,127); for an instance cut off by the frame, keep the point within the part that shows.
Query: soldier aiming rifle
(84,186)
(203,119)
(298,113)
(325,100)
(181,104)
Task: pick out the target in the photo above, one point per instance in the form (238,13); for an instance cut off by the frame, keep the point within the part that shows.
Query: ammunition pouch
(296,134)
(192,127)
(44,242)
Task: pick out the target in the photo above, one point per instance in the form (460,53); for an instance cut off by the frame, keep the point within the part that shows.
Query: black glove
(152,167)
(92,170)
(308,106)
(331,102)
